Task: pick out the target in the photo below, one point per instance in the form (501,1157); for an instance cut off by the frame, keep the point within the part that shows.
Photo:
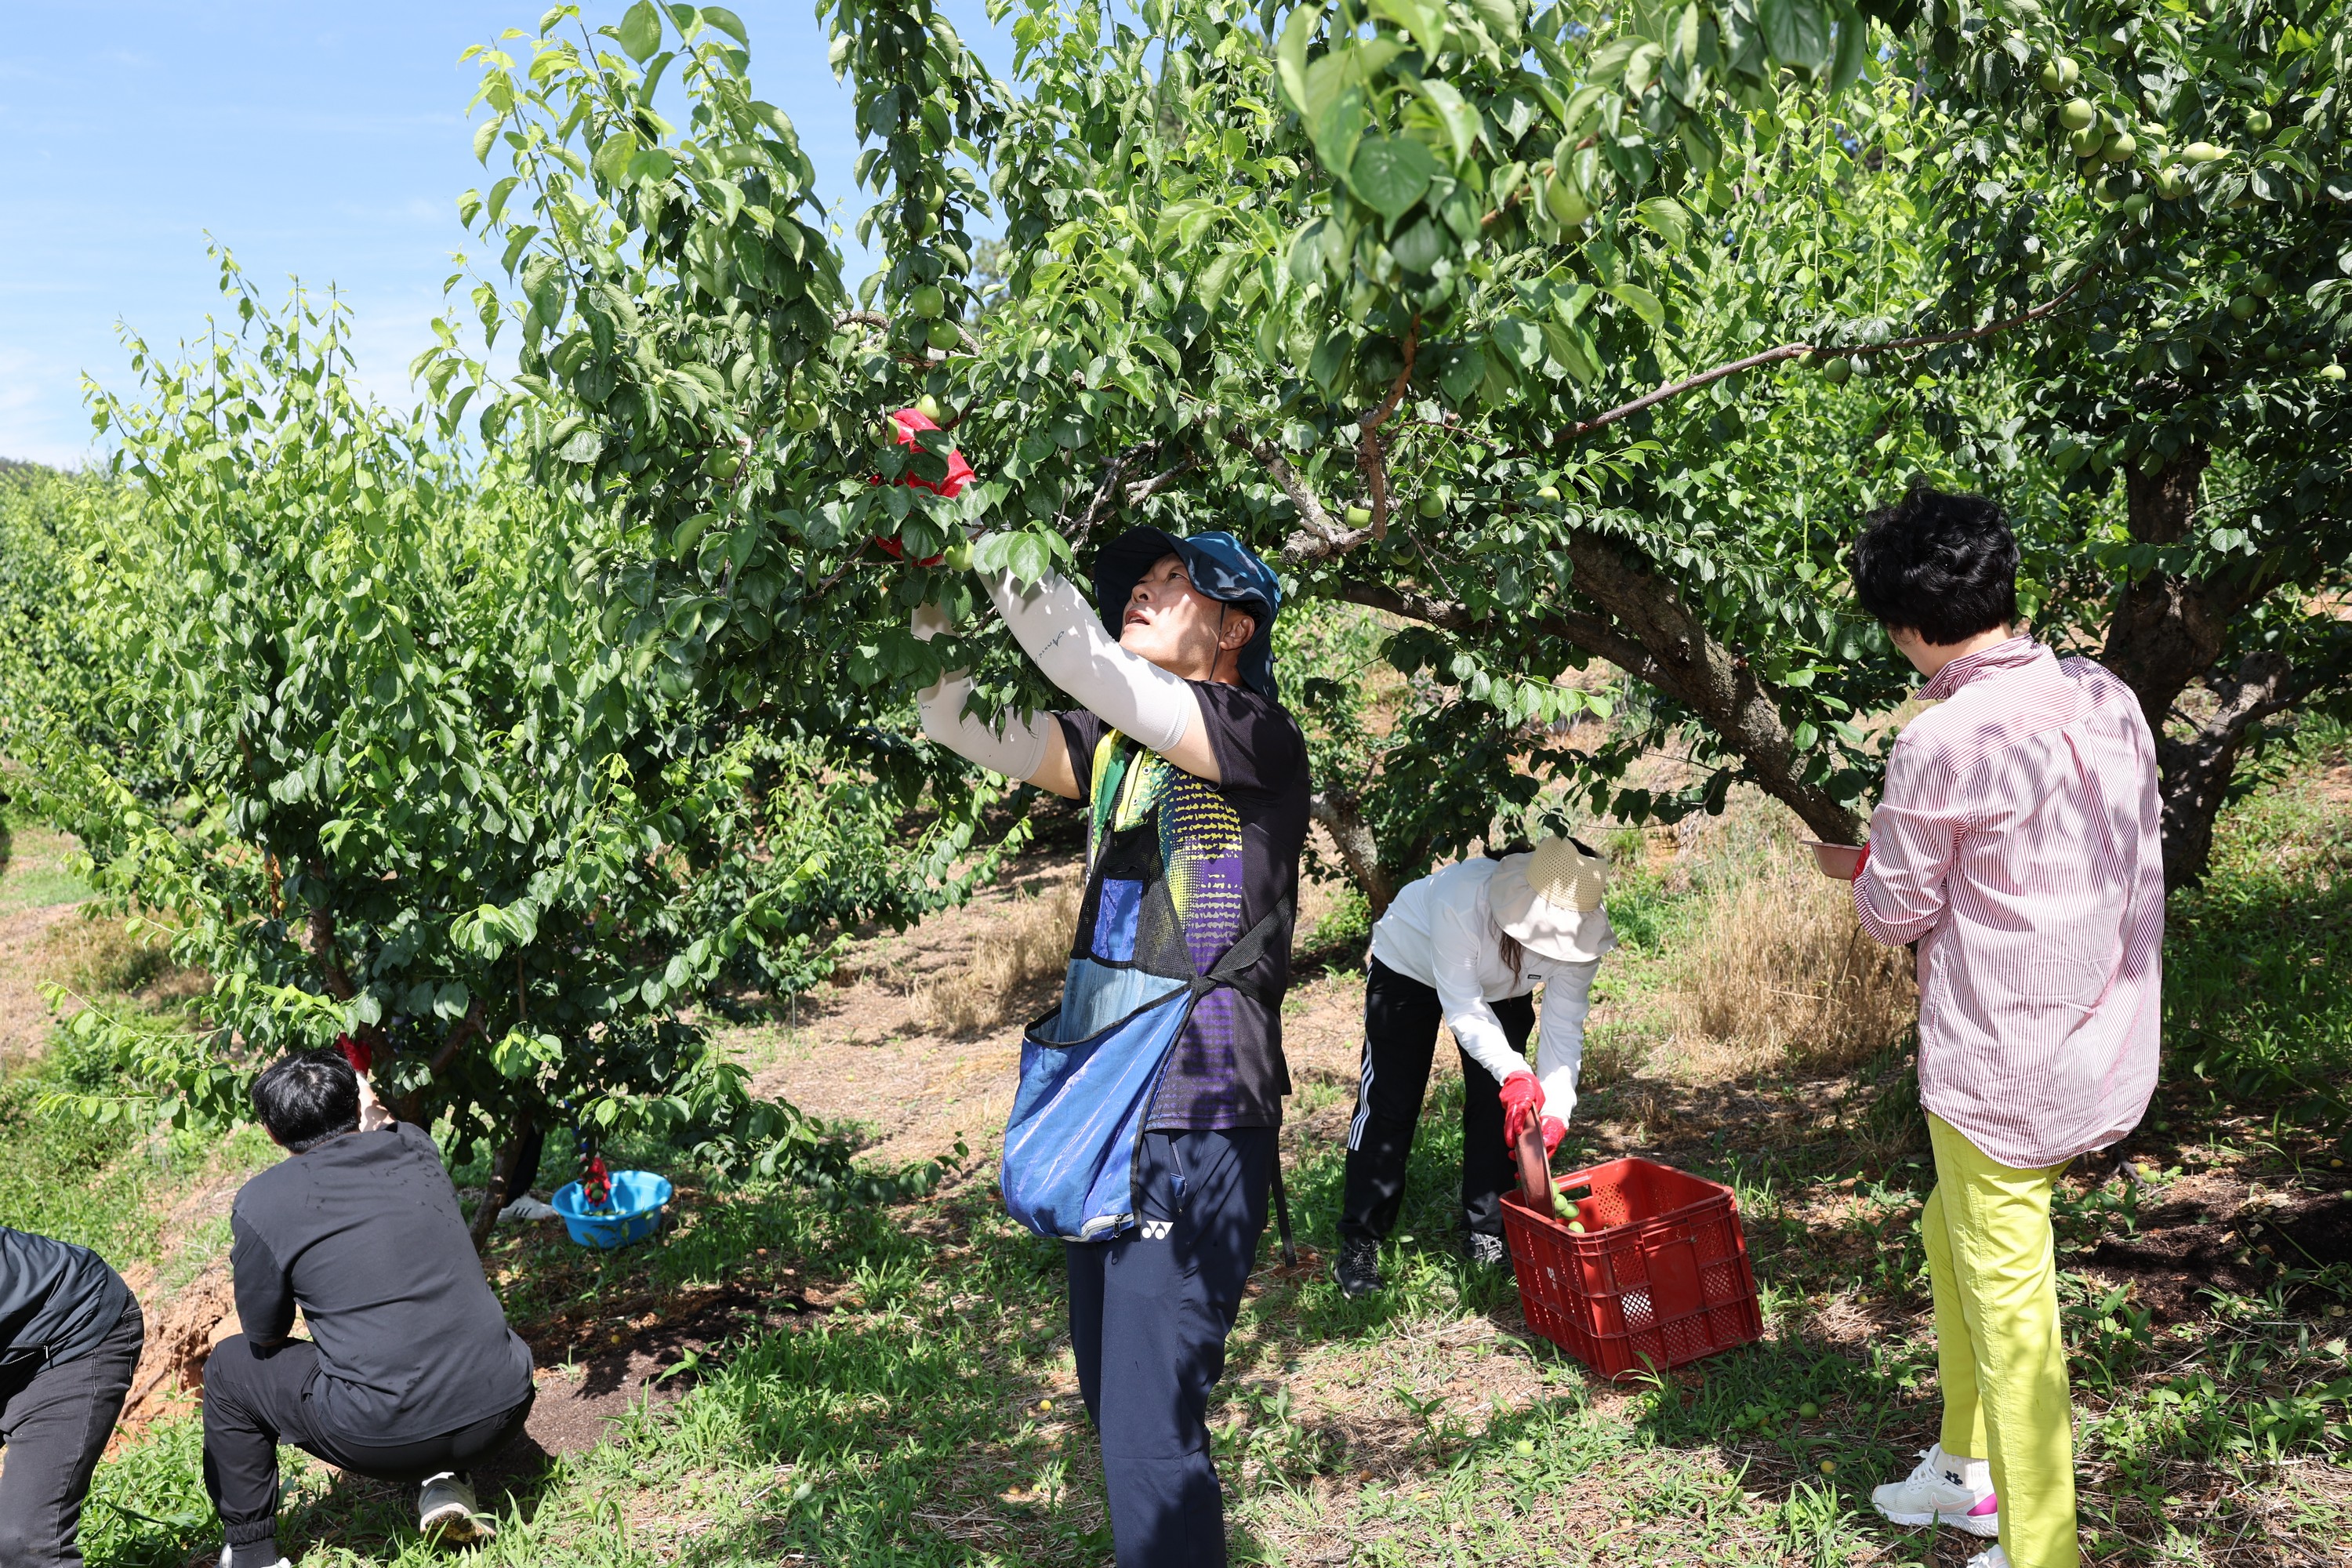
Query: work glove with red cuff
(1523,1099)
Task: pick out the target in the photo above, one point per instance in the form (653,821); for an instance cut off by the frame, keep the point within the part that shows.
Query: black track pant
(1149,1316)
(54,1424)
(256,1399)
(1400,1021)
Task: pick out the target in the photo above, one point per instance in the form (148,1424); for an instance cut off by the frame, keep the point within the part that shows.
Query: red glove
(362,1058)
(1554,1129)
(1523,1100)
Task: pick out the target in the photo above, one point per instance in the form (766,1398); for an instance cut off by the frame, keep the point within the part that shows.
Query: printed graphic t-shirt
(1230,854)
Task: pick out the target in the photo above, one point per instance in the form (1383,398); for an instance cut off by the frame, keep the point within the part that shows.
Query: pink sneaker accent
(1991,1504)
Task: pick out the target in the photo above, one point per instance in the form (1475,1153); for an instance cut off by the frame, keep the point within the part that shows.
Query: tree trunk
(1341,814)
(506,1177)
(2165,636)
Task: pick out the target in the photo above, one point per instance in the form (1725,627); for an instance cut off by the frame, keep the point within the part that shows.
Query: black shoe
(1480,1247)
(1357,1268)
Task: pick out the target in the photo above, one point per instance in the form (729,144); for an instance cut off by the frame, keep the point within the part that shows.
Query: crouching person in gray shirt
(410,1374)
(69,1338)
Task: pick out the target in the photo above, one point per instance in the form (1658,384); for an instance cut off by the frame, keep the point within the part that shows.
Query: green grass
(899,1419)
(33,870)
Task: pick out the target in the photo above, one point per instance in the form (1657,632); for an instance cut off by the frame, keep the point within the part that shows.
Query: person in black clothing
(410,1373)
(70,1338)
(1196,779)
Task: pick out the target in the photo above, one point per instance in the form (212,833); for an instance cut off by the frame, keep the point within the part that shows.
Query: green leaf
(1668,218)
(613,155)
(499,195)
(1218,276)
(641,31)
(727,22)
(1461,120)
(1425,23)
(1796,32)
(1644,303)
(1853,49)
(1390,173)
(484,135)
(1290,55)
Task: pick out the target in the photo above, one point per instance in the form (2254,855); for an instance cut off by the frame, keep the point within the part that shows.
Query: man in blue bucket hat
(1196,780)
(410,1373)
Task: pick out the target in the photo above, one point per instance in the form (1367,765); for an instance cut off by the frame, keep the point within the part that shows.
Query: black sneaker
(1480,1247)
(1358,1268)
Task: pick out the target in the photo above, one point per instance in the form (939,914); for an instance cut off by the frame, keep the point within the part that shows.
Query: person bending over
(1469,944)
(410,1374)
(2017,842)
(1196,776)
(70,1333)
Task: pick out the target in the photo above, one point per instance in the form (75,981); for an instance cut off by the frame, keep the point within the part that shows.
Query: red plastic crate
(1659,1278)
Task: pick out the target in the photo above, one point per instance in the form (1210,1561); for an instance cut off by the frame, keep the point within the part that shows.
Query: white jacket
(1441,933)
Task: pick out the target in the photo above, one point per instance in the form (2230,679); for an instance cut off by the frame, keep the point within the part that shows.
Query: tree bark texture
(2167,635)
(1338,809)
(507,1177)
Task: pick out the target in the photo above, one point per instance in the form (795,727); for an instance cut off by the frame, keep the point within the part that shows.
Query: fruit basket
(633,1213)
(1659,1275)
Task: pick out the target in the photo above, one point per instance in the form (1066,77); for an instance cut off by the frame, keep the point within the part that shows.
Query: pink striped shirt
(2017,842)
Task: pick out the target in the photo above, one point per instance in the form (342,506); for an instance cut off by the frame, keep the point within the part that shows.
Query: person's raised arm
(1064,634)
(1559,1034)
(1898,893)
(1028,750)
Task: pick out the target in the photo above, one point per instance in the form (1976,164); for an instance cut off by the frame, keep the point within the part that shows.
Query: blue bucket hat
(1219,565)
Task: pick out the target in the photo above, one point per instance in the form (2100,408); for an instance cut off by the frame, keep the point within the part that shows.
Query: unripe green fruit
(2087,142)
(957,557)
(2170,184)
(2258,122)
(1577,1226)
(2135,203)
(2262,284)
(2275,353)
(1808,1410)
(1561,199)
(2244,307)
(929,407)
(722,465)
(1837,371)
(1432,504)
(942,335)
(2121,148)
(804,416)
(2202,152)
(2053,78)
(2113,188)
(2076,114)
(2035,260)
(1524,1449)
(1360,517)
(2331,373)
(929,302)
(1547,492)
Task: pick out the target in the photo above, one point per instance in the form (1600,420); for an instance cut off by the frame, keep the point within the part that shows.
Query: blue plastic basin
(634,1214)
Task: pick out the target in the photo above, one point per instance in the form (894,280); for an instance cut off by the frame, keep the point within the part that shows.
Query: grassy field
(899,1390)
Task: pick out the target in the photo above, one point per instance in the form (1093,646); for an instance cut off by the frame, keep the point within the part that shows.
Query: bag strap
(1240,958)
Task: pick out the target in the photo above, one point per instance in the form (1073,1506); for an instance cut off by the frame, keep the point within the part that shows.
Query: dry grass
(1031,942)
(97,955)
(1779,976)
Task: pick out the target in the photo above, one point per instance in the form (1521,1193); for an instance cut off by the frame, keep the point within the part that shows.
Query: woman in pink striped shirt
(2017,842)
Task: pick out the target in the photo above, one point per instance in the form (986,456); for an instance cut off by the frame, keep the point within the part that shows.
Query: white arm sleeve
(1064,634)
(1454,959)
(1560,1036)
(1016,750)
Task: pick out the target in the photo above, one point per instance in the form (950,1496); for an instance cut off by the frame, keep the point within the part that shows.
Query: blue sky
(328,141)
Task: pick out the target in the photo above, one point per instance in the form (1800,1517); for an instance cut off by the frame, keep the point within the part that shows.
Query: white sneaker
(1993,1557)
(228,1552)
(447,1514)
(1944,1490)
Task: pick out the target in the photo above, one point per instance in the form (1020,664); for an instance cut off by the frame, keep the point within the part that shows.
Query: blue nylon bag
(1070,1143)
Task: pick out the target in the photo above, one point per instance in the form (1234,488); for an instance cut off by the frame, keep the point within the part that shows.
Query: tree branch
(1371,457)
(1321,536)
(1138,493)
(1340,812)
(1798,350)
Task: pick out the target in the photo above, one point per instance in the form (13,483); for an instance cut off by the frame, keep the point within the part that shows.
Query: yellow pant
(1992,1266)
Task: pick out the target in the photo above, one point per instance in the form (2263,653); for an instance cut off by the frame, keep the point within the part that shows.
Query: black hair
(1942,565)
(307,1098)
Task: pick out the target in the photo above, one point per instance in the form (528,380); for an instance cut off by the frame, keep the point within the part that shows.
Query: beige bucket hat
(1550,899)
